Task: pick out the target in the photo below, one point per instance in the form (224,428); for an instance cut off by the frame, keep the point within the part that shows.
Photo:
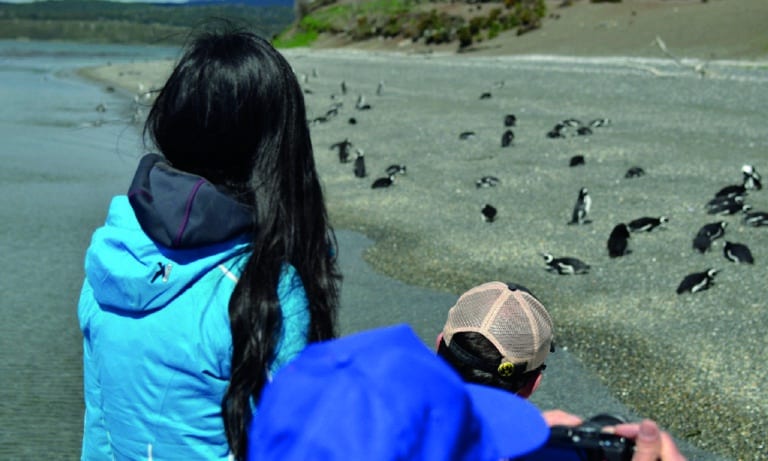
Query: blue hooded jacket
(154,315)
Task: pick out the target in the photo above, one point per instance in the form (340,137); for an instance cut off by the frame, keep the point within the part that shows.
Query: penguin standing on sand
(738,253)
(507,137)
(489,213)
(360,164)
(582,207)
(618,241)
(751,177)
(565,265)
(698,281)
(510,120)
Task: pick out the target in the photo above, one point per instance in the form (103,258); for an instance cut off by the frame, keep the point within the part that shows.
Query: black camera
(590,442)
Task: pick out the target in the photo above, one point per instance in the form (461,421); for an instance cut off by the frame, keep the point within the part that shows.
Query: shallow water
(61,161)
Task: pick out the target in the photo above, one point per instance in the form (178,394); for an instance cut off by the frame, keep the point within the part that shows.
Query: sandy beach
(693,362)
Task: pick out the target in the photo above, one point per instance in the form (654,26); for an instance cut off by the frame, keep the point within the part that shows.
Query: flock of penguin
(730,200)
(727,201)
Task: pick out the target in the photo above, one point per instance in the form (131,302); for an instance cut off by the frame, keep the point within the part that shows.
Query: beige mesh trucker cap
(513,320)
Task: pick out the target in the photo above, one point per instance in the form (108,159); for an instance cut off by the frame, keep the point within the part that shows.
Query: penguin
(566,265)
(506,138)
(343,148)
(647,223)
(343,87)
(572,122)
(464,135)
(738,253)
(380,88)
(732,190)
(361,104)
(634,172)
(702,243)
(489,213)
(582,207)
(707,234)
(583,131)
(486,95)
(383,182)
(713,230)
(751,177)
(756,218)
(556,132)
(510,120)
(729,207)
(487,181)
(600,122)
(360,164)
(352,121)
(698,281)
(715,204)
(396,169)
(618,241)
(576,160)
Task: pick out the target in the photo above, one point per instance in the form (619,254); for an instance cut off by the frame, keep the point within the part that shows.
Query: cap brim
(516,425)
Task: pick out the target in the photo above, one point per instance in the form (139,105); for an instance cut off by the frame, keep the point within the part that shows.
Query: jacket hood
(183,210)
(170,231)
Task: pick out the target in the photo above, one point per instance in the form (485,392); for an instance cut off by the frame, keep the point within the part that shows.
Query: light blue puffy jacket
(157,342)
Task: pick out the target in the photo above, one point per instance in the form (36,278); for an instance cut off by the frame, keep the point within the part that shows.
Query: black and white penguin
(576,160)
(600,122)
(583,131)
(343,149)
(361,104)
(713,230)
(487,181)
(756,218)
(486,95)
(707,234)
(738,253)
(507,137)
(618,241)
(751,177)
(360,164)
(729,207)
(566,265)
(572,122)
(510,120)
(489,213)
(647,223)
(582,207)
(383,182)
(396,169)
(717,203)
(634,172)
(464,135)
(698,281)
(352,121)
(702,243)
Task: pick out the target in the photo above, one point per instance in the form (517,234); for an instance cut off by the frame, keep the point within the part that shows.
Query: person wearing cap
(382,395)
(499,335)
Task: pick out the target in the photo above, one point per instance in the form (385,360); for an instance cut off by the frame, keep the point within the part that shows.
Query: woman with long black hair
(215,269)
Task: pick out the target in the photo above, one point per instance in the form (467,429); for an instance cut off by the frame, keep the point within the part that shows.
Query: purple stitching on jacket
(188,210)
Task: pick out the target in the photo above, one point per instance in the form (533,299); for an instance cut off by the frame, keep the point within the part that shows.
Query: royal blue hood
(171,229)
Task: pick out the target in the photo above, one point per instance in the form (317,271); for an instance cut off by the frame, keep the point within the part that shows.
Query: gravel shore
(696,363)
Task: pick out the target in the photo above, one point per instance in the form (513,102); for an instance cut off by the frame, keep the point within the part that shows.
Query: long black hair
(233,112)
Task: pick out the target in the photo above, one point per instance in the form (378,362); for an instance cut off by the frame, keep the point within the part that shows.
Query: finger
(669,451)
(647,442)
(561,418)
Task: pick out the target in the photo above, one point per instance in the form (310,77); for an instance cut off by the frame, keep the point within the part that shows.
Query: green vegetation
(113,22)
(431,22)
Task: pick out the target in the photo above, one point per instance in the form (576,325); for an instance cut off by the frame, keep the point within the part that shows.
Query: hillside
(708,29)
